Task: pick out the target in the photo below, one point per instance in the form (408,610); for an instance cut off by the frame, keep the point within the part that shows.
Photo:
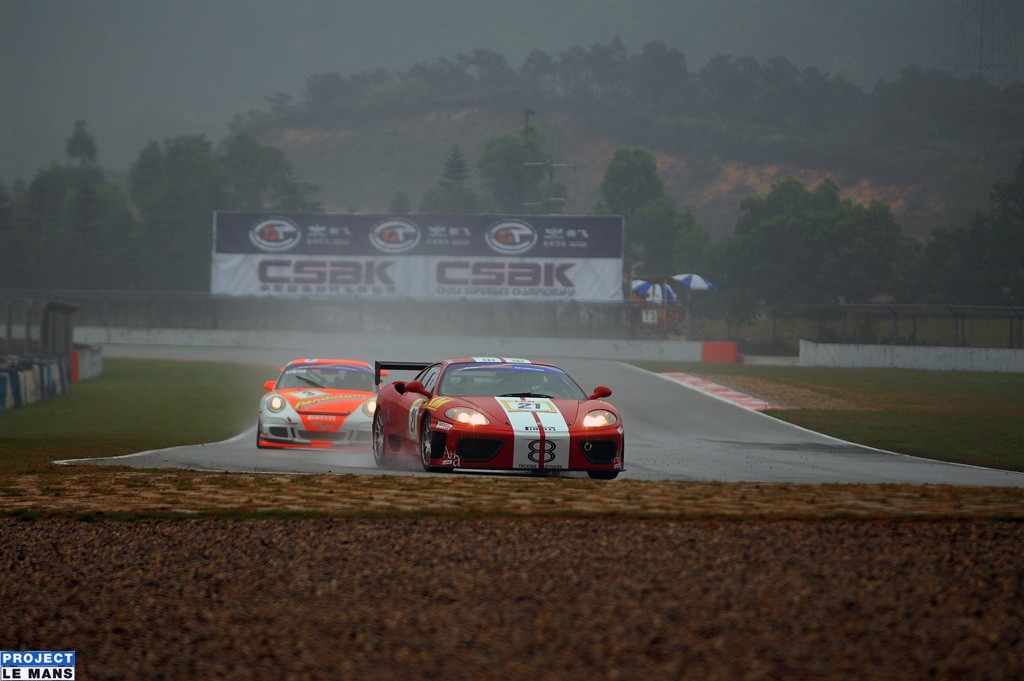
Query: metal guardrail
(905,321)
(773,332)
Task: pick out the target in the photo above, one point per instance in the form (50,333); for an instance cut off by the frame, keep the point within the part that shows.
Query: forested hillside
(789,187)
(928,144)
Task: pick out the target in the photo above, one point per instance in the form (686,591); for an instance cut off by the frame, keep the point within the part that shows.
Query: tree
(10,237)
(538,76)
(691,243)
(493,74)
(728,87)
(798,246)
(512,184)
(75,230)
(1007,227)
(659,75)
(453,199)
(630,181)
(325,94)
(260,177)
(632,188)
(81,146)
(982,263)
(450,195)
(608,67)
(176,188)
(84,221)
(400,204)
(456,171)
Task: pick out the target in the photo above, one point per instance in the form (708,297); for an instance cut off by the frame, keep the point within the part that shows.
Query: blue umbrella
(653,292)
(694,282)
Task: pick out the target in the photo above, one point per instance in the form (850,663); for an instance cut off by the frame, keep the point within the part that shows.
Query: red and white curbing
(723,392)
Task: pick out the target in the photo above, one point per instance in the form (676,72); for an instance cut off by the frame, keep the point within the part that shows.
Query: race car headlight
(370,406)
(599,418)
(276,403)
(466,415)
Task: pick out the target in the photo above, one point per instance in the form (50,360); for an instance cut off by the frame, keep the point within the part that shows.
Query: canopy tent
(694,282)
(652,292)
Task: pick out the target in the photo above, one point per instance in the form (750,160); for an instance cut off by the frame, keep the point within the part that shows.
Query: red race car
(318,403)
(496,413)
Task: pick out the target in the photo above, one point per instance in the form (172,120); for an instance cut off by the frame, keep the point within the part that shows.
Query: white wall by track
(910,357)
(396,346)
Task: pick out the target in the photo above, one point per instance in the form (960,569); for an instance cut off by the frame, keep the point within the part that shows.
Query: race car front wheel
(426,448)
(380,456)
(259,429)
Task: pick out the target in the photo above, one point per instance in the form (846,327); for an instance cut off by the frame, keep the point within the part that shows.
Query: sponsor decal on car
(540,435)
(503,360)
(414,413)
(307,394)
(326,398)
(515,404)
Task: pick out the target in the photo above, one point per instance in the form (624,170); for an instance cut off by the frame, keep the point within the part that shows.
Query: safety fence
(706,316)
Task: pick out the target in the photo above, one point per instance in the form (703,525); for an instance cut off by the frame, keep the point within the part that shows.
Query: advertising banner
(485,257)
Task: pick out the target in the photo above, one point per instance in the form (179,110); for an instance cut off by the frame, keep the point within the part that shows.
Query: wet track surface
(673,432)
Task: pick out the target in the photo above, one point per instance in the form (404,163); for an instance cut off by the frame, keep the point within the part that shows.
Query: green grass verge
(136,405)
(967,417)
(139,404)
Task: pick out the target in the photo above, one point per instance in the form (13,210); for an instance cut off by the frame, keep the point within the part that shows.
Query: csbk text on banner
(535,257)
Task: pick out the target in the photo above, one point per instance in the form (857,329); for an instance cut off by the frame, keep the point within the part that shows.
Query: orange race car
(318,403)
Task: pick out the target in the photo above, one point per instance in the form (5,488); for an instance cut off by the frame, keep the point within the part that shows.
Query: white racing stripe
(540,433)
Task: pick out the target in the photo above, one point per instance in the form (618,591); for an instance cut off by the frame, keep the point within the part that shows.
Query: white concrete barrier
(910,357)
(87,362)
(399,345)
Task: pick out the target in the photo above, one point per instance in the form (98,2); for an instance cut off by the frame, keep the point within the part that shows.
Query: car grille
(478,448)
(336,436)
(599,451)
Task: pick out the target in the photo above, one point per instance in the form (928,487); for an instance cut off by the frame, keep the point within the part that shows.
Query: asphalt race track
(673,432)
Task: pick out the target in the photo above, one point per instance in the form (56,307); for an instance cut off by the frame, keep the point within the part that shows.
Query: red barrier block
(719,352)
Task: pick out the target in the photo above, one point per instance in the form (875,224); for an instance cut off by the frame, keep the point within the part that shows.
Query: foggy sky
(142,70)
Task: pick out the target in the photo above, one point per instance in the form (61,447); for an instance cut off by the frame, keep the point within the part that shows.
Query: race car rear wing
(397,366)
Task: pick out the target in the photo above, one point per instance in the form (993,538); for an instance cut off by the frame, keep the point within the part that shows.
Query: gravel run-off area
(531,597)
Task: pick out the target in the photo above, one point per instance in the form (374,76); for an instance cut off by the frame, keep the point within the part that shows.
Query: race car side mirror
(417,387)
(269,385)
(600,392)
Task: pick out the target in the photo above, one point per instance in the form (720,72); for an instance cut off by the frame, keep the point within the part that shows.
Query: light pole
(526,156)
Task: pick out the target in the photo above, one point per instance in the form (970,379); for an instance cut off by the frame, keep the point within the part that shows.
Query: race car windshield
(328,378)
(494,381)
